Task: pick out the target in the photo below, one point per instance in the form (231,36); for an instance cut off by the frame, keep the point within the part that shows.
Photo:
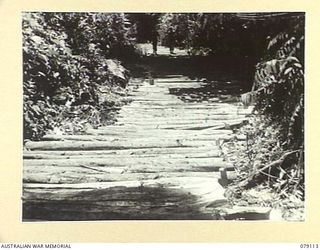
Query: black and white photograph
(163,116)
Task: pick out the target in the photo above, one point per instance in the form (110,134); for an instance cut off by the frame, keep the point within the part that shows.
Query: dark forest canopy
(224,33)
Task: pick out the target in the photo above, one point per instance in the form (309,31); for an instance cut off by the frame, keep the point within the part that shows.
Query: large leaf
(116,69)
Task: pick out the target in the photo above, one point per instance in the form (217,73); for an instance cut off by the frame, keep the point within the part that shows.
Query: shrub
(65,63)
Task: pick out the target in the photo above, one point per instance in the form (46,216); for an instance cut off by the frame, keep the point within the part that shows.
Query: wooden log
(167,102)
(175,127)
(141,133)
(195,185)
(181,118)
(177,122)
(226,124)
(77,170)
(146,91)
(74,176)
(187,105)
(152,97)
(217,126)
(172,76)
(71,174)
(180,85)
(106,155)
(145,96)
(176,80)
(176,105)
(150,88)
(88,145)
(138,167)
(188,151)
(145,110)
(171,111)
(122,137)
(128,161)
(117,169)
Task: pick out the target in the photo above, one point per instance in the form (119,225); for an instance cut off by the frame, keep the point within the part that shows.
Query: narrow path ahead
(160,160)
(146,49)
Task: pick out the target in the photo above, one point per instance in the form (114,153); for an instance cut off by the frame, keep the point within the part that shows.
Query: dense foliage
(67,67)
(231,34)
(279,86)
(279,83)
(274,150)
(215,33)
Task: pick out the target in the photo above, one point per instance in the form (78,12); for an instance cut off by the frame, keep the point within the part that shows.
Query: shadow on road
(117,203)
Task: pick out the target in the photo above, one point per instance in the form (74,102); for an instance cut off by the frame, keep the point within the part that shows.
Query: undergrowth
(71,74)
(263,180)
